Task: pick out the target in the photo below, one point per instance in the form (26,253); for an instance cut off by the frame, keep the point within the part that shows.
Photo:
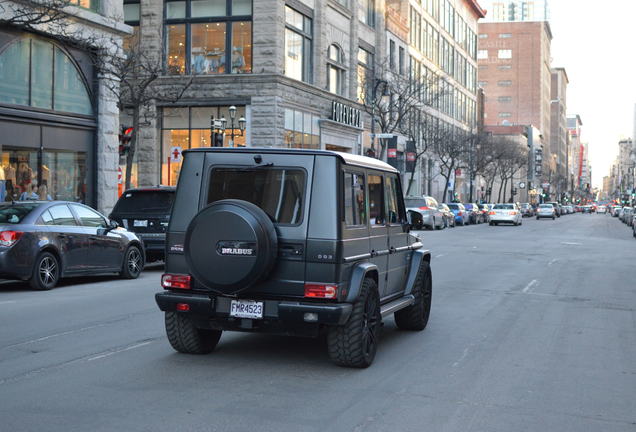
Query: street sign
(175,154)
(545,185)
(522,185)
(384,135)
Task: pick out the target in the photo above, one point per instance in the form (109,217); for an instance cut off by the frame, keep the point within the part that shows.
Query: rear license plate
(246,309)
(140,223)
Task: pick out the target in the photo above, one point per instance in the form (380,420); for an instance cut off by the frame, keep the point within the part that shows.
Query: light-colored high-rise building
(516,10)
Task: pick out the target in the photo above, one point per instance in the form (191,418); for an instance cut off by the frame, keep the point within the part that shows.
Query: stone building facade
(292,69)
(59,121)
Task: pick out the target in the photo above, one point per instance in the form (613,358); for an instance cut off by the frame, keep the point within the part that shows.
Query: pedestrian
(33,195)
(43,193)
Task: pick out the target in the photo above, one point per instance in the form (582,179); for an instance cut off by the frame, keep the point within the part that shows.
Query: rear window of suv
(279,192)
(145,202)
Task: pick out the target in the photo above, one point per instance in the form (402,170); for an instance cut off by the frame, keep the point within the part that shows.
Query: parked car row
(44,241)
(625,214)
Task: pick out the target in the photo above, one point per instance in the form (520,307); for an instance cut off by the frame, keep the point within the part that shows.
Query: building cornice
(479,11)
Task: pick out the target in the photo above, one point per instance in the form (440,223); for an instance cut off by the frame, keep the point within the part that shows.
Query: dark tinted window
(453,206)
(354,199)
(89,217)
(376,200)
(504,207)
(145,202)
(396,211)
(13,214)
(278,191)
(62,215)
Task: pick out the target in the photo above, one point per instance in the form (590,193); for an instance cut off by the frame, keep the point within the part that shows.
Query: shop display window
(187,128)
(61,175)
(302,130)
(208,37)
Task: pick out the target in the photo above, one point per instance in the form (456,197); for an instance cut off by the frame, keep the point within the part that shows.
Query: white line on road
(440,255)
(552,262)
(7,302)
(465,353)
(110,353)
(532,283)
(571,243)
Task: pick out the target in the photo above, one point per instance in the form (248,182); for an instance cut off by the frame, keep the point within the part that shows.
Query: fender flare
(418,258)
(358,274)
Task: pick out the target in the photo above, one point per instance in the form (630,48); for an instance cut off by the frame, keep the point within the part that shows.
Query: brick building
(515,73)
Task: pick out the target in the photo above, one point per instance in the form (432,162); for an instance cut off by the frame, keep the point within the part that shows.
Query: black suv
(293,242)
(146,212)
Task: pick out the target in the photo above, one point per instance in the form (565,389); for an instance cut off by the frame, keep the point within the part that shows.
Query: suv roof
(347,158)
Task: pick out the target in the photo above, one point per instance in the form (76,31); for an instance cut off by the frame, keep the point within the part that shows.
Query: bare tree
(35,15)
(132,75)
(452,149)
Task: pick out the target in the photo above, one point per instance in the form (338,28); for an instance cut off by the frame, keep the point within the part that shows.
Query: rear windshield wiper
(267,165)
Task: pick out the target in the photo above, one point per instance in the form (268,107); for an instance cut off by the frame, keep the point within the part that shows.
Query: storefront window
(67,92)
(208,52)
(302,130)
(176,40)
(187,128)
(63,175)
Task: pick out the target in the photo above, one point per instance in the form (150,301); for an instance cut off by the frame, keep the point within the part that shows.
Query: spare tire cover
(230,245)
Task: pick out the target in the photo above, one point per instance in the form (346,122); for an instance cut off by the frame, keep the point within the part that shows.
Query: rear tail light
(491,213)
(512,213)
(8,238)
(459,213)
(176,281)
(325,291)
(424,208)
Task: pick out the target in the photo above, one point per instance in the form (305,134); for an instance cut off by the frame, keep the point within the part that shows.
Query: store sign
(175,154)
(345,114)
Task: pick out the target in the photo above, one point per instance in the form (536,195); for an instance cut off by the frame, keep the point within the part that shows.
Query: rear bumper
(545,215)
(16,263)
(501,218)
(278,315)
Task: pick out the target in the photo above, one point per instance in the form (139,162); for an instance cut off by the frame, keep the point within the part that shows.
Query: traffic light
(124,140)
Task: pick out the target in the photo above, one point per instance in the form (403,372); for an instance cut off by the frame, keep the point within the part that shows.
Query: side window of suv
(376,200)
(354,199)
(395,206)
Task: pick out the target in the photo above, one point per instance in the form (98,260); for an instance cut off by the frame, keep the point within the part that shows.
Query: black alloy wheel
(133,263)
(46,272)
(354,344)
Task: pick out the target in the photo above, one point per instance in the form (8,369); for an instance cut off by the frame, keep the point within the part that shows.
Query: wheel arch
(50,248)
(358,274)
(418,258)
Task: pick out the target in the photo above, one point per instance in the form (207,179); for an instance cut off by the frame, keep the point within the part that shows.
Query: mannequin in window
(238,61)
(200,64)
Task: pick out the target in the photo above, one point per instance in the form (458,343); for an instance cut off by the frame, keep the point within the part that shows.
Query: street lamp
(217,127)
(241,123)
(385,92)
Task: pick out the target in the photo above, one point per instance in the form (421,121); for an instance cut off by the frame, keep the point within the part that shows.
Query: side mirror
(112,224)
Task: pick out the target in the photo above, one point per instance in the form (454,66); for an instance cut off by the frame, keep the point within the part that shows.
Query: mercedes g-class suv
(294,242)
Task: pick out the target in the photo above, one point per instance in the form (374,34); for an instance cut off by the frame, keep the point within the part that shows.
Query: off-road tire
(415,317)
(186,338)
(133,263)
(46,272)
(347,344)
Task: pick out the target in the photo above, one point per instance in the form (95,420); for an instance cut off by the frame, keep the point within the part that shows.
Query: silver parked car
(505,213)
(424,212)
(546,211)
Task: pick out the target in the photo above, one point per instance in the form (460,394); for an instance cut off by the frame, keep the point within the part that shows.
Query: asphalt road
(533,328)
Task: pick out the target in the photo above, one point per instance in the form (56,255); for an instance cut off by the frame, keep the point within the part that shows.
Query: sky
(594,41)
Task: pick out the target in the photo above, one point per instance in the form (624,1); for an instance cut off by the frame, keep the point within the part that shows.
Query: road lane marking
(464,354)
(110,353)
(440,255)
(532,283)
(7,302)
(552,262)
(571,243)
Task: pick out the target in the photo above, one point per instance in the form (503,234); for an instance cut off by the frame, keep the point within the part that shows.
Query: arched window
(37,73)
(335,70)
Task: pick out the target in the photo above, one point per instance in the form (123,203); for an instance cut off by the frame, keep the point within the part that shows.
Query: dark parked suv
(146,212)
(293,242)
